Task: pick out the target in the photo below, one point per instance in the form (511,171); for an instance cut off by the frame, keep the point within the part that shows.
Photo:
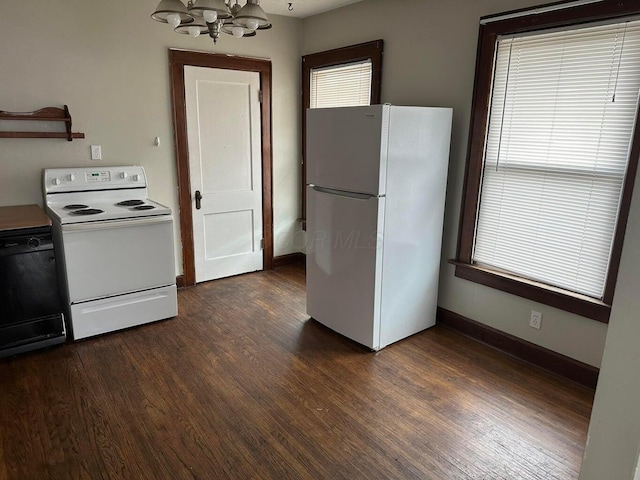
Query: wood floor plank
(242,384)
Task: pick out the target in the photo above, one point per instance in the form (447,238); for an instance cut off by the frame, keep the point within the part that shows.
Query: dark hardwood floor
(241,385)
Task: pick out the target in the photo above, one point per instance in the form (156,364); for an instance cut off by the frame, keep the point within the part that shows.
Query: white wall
(429,59)
(108,61)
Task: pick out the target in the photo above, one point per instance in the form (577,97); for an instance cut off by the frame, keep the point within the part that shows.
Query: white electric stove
(114,248)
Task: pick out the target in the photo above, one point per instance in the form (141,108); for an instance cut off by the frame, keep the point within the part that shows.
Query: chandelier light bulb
(194,31)
(252,24)
(210,16)
(237,31)
(173,19)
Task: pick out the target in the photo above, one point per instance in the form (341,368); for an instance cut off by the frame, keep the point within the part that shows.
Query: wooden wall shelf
(49,114)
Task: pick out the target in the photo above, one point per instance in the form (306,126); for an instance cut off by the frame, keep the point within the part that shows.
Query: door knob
(198,200)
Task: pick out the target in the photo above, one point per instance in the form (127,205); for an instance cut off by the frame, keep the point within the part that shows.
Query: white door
(225,163)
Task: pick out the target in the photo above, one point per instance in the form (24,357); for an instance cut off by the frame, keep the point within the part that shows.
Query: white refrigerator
(376,187)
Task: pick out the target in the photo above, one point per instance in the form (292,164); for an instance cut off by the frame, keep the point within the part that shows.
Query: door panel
(343,264)
(224,132)
(224,234)
(222,142)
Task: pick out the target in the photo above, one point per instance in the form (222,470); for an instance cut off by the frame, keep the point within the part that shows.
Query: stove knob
(56,181)
(71,177)
(136,177)
(123,175)
(33,242)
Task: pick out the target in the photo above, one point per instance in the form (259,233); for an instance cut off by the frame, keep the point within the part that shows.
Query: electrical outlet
(96,152)
(536,320)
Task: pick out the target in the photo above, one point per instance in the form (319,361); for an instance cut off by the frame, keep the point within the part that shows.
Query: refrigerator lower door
(344,257)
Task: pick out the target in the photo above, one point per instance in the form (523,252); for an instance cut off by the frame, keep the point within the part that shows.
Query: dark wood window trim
(488,35)
(354,53)
(178,59)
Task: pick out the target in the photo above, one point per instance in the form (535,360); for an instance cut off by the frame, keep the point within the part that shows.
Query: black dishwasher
(30,308)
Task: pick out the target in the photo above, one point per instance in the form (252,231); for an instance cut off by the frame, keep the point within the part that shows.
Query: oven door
(115,257)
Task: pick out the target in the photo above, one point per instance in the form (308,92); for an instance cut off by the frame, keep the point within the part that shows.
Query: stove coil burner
(75,206)
(144,207)
(130,203)
(87,211)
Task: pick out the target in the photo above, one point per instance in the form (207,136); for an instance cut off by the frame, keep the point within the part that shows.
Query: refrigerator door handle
(343,193)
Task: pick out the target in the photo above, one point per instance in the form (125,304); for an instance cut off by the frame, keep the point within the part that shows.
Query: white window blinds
(346,85)
(563,108)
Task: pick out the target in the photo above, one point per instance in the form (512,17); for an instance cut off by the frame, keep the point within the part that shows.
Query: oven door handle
(138,222)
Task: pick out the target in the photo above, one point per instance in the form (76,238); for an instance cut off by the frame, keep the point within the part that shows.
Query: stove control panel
(98,176)
(58,180)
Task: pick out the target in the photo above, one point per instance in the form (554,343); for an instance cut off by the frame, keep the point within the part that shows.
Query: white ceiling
(301,8)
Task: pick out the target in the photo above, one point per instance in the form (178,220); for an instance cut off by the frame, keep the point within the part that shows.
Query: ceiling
(301,8)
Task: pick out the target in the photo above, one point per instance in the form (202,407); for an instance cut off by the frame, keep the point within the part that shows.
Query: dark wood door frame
(178,59)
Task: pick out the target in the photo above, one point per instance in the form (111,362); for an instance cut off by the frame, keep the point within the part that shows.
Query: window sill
(538,292)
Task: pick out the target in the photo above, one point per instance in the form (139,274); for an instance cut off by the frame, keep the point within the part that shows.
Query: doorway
(187,180)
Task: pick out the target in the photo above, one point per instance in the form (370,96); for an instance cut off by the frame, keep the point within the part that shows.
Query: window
(552,158)
(563,106)
(346,85)
(344,77)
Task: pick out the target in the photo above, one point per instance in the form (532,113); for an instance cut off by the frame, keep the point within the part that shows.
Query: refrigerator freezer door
(343,263)
(346,148)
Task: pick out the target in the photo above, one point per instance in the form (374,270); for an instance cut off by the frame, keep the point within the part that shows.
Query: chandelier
(212,17)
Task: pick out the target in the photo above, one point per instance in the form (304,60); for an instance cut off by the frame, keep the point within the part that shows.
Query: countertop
(23,216)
